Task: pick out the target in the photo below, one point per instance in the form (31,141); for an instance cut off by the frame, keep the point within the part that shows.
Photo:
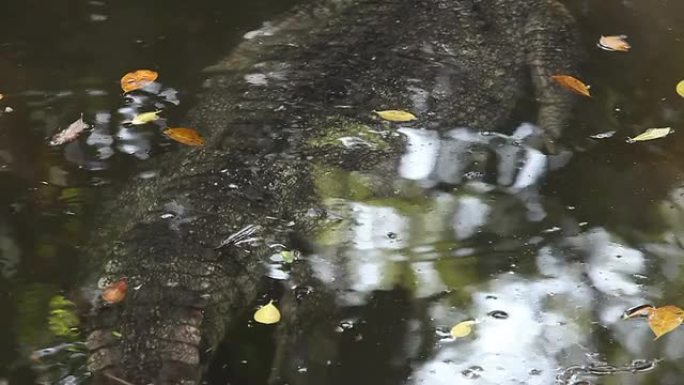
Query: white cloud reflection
(582,283)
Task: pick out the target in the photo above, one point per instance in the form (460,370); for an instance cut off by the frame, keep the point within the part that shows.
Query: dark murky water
(546,273)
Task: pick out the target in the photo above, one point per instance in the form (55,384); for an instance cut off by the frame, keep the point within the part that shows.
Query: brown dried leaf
(185,135)
(70,133)
(137,79)
(614,43)
(572,84)
(116,292)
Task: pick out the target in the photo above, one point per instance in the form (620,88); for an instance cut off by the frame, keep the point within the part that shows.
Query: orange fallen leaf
(116,292)
(185,135)
(661,320)
(572,84)
(665,319)
(614,43)
(137,79)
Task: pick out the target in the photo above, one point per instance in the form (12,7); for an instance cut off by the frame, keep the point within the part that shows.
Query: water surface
(544,260)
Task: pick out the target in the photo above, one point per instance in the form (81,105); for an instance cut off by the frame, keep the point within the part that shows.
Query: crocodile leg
(179,300)
(551,50)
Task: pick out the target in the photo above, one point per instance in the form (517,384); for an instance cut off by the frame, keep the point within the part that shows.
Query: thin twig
(115,378)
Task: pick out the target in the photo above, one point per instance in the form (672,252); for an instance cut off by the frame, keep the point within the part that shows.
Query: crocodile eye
(638,311)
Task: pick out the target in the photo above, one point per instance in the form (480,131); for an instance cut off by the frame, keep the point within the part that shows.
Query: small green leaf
(288,256)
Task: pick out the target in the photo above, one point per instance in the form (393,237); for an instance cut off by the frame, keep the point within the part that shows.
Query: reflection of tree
(479,249)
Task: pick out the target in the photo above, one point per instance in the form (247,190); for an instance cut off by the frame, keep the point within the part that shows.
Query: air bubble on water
(498,314)
(444,335)
(103,282)
(302,291)
(69,380)
(302,369)
(472,372)
(473,175)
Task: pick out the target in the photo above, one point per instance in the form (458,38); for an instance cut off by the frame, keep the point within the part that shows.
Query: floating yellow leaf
(572,84)
(137,79)
(650,134)
(396,115)
(665,319)
(661,320)
(116,292)
(145,117)
(614,43)
(268,314)
(462,329)
(185,135)
(680,88)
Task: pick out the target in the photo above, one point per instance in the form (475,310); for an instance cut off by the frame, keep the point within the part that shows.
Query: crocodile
(297,93)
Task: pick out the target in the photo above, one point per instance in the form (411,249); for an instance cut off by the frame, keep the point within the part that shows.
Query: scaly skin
(451,62)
